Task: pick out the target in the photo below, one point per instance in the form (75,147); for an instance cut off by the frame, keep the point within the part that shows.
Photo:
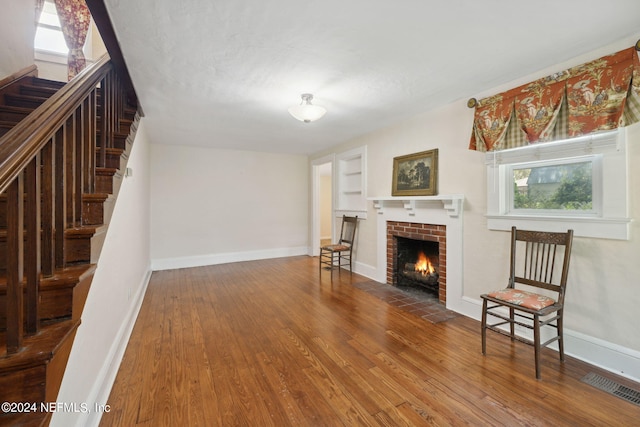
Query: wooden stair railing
(50,163)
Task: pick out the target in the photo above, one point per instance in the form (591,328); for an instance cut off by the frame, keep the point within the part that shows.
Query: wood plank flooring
(272,343)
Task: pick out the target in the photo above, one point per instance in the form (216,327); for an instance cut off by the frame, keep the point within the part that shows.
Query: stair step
(113,156)
(119,139)
(77,247)
(54,84)
(34,90)
(104,179)
(24,101)
(62,296)
(13,114)
(37,348)
(93,208)
(78,243)
(37,369)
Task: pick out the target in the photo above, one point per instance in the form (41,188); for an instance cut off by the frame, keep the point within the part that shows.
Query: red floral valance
(600,95)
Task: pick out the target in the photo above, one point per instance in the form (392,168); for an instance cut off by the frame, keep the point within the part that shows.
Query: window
(555,187)
(49,36)
(579,183)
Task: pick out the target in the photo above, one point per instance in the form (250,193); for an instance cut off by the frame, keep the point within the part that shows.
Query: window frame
(609,217)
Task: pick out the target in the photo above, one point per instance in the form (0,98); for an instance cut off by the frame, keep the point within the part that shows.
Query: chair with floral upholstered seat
(339,254)
(534,297)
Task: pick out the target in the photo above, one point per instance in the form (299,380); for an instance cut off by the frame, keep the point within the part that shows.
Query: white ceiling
(222,73)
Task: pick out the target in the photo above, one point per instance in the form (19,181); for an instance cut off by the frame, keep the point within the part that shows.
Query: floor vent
(612,387)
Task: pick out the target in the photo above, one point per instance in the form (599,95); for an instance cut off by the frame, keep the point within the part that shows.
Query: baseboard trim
(107,376)
(365,270)
(603,354)
(224,258)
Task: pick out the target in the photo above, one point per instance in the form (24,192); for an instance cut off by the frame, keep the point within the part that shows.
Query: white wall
(326,206)
(115,295)
(17,30)
(210,206)
(603,292)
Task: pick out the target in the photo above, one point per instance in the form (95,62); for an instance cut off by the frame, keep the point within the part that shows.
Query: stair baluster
(15,250)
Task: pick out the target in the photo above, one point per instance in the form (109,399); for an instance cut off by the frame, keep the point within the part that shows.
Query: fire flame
(423,265)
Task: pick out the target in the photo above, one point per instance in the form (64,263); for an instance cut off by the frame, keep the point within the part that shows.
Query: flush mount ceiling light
(307,112)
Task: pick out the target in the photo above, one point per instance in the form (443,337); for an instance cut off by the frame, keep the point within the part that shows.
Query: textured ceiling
(223,73)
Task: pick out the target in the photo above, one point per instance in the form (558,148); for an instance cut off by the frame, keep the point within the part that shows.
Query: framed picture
(416,174)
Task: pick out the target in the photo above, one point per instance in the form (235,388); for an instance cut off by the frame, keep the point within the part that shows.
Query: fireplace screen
(417,263)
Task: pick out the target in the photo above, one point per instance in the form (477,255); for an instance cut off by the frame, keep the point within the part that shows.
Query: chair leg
(512,324)
(484,327)
(560,336)
(536,344)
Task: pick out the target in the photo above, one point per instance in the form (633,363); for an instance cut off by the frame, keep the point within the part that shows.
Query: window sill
(50,56)
(602,228)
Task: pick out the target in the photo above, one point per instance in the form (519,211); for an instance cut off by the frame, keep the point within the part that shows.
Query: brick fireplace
(430,219)
(421,232)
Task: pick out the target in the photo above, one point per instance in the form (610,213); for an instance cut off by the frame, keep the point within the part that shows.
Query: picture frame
(416,174)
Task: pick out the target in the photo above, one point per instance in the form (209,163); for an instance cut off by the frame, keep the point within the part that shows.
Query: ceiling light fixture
(307,112)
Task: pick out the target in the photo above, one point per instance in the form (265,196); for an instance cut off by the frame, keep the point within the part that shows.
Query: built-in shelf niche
(351,183)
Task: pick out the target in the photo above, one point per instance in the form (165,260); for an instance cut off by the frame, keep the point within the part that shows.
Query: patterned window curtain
(597,92)
(74,19)
(493,116)
(600,95)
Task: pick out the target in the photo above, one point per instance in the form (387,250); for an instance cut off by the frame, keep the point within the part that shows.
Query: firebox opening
(417,264)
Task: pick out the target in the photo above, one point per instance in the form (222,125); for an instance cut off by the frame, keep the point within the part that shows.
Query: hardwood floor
(271,343)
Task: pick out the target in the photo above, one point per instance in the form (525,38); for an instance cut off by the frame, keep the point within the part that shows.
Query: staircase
(63,148)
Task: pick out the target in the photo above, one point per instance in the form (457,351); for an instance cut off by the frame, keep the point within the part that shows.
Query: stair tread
(106,171)
(37,349)
(82,230)
(39,81)
(110,150)
(62,278)
(11,108)
(27,97)
(32,88)
(71,232)
(95,197)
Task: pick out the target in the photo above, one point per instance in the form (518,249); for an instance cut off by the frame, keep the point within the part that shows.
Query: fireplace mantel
(452,203)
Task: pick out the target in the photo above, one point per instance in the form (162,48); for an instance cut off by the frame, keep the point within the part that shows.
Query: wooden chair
(534,257)
(333,255)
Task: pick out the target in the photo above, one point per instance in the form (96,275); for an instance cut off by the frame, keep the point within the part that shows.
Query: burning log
(427,277)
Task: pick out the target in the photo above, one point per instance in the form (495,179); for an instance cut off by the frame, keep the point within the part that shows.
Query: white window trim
(610,220)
